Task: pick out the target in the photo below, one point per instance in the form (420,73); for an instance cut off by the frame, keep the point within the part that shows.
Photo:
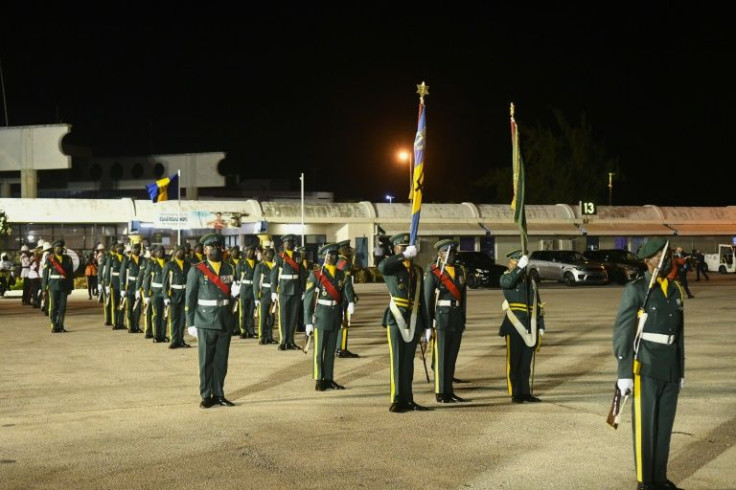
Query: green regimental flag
(519,179)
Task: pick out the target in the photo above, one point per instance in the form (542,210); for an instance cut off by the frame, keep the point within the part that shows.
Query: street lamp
(405,156)
(390,198)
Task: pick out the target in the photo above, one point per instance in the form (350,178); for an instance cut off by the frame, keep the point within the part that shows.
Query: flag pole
(417,188)
(301,178)
(178,198)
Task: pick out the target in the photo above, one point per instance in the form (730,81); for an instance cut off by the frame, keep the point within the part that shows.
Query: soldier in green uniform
(244,272)
(103,260)
(405,319)
(113,285)
(445,298)
(660,372)
(522,326)
(132,266)
(262,294)
(173,286)
(57,282)
(345,264)
(197,254)
(326,291)
(153,292)
(210,316)
(287,275)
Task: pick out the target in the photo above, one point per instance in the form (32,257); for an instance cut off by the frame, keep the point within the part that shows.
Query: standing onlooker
(680,267)
(656,374)
(34,279)
(25,264)
(90,272)
(700,267)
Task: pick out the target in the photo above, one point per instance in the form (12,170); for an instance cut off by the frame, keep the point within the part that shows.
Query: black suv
(482,271)
(622,265)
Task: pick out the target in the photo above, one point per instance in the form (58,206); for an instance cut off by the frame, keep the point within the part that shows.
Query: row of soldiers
(147,294)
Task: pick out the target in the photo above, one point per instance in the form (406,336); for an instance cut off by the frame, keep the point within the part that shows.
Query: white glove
(351,308)
(523,262)
(122,294)
(107,289)
(682,383)
(309,328)
(541,333)
(145,300)
(302,296)
(410,251)
(427,334)
(625,385)
(274,297)
(137,294)
(167,301)
(235,290)
(192,331)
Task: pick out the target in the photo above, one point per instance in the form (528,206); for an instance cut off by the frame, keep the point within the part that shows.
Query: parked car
(481,269)
(622,265)
(566,266)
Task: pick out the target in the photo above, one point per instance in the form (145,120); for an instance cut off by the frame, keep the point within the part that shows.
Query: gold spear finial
(422,90)
(511,109)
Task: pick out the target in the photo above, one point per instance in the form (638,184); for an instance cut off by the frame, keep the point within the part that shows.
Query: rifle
(617,405)
(167,310)
(121,307)
(309,341)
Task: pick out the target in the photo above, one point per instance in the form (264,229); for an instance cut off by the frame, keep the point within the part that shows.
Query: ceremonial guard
(287,276)
(57,282)
(174,282)
(210,317)
(132,267)
(197,254)
(326,292)
(244,271)
(262,294)
(345,264)
(113,266)
(405,319)
(153,292)
(522,326)
(649,345)
(445,299)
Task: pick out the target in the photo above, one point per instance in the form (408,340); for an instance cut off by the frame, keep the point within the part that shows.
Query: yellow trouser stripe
(637,426)
(391,363)
(508,365)
(50,307)
(315,365)
(282,339)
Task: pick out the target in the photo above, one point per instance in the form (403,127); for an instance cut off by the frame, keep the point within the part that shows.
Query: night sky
(330,91)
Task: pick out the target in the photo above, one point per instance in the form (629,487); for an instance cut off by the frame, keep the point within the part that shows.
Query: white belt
(156,284)
(213,302)
(326,302)
(266,285)
(448,302)
(247,281)
(289,276)
(178,286)
(130,278)
(115,273)
(56,276)
(659,338)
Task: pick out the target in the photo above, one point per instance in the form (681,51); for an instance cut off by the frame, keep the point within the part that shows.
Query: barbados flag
(418,176)
(164,189)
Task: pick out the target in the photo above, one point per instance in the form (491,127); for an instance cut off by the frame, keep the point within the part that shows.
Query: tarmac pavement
(100,409)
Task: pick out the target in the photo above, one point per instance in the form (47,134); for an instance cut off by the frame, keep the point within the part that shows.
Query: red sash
(290,261)
(447,281)
(341,264)
(57,266)
(214,278)
(329,287)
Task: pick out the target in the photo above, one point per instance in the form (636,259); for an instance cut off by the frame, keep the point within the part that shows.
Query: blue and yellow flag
(519,179)
(164,189)
(418,175)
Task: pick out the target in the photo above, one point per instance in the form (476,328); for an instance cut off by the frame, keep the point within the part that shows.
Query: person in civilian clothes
(286,276)
(405,319)
(345,264)
(659,375)
(326,291)
(58,283)
(262,289)
(210,318)
(244,272)
(445,298)
(173,286)
(522,326)
(152,290)
(34,278)
(25,265)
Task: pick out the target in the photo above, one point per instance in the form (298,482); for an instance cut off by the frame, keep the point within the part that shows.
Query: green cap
(288,238)
(516,255)
(327,248)
(212,239)
(344,243)
(650,248)
(183,248)
(446,244)
(400,239)
(59,243)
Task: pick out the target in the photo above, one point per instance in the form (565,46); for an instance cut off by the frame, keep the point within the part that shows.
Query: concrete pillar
(29,183)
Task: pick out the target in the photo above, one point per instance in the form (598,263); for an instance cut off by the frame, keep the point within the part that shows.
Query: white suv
(566,266)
